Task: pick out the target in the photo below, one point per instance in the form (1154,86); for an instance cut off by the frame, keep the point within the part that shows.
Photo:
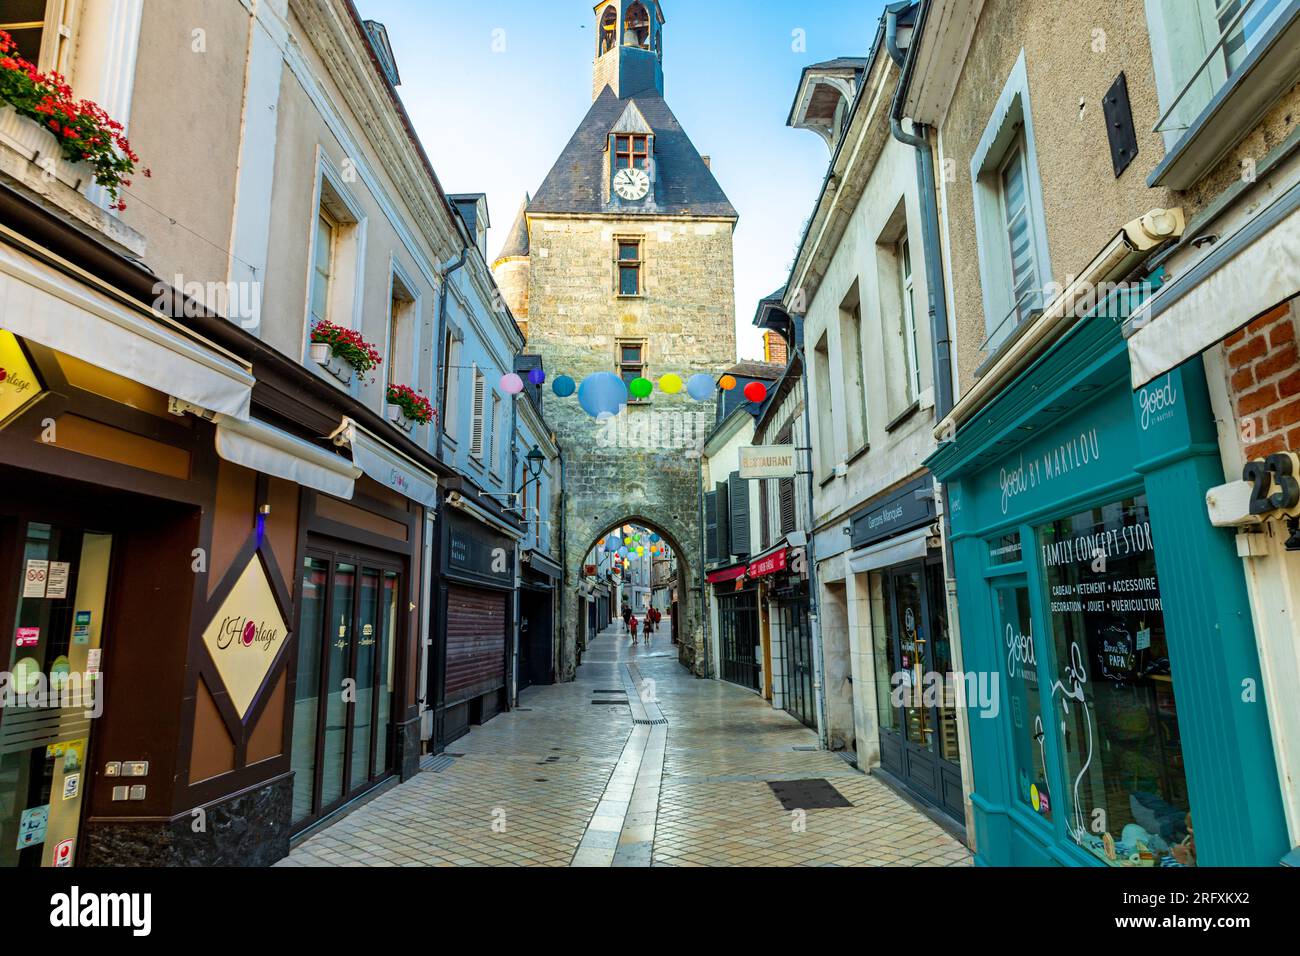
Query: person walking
(627,614)
(632,626)
(649,625)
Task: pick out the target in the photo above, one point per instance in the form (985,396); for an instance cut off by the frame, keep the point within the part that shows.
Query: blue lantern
(564,386)
(701,387)
(602,394)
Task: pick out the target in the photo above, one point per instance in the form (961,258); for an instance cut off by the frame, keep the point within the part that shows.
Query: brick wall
(1264,381)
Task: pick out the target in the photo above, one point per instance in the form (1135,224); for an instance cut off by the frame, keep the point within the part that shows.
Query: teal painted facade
(1067,438)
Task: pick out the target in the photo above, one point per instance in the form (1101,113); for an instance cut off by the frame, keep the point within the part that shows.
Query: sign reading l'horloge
(245,635)
(768,461)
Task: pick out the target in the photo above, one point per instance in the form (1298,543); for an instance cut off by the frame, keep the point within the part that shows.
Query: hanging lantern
(727,383)
(511,383)
(670,384)
(563,387)
(756,392)
(537,376)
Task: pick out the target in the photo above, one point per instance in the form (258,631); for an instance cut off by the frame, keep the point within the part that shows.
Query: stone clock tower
(622,262)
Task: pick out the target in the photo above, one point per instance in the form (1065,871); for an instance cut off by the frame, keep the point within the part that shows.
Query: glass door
(346,673)
(53,662)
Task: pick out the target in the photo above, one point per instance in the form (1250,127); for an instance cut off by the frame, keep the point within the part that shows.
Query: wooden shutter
(764,515)
(785,487)
(738,497)
(476,425)
(724,523)
(711,555)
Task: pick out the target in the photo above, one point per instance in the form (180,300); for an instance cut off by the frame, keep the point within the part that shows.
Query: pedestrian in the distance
(649,625)
(632,624)
(627,613)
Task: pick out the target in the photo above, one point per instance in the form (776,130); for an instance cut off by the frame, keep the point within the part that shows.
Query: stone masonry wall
(640,466)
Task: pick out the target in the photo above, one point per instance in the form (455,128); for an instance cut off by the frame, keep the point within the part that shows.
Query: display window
(1110,700)
(1021,653)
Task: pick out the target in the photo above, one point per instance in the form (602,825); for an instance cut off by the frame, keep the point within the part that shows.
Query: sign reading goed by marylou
(768,461)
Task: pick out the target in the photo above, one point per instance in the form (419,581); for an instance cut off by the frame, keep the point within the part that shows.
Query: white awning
(1242,276)
(271,451)
(46,306)
(388,466)
(906,547)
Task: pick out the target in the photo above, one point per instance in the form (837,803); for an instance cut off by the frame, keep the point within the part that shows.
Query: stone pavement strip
(675,772)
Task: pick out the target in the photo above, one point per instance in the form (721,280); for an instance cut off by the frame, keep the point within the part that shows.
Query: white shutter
(476,426)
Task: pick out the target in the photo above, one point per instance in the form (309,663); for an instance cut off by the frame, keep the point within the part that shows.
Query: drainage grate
(850,757)
(437,763)
(616,703)
(803,747)
(807,794)
(652,723)
(619,691)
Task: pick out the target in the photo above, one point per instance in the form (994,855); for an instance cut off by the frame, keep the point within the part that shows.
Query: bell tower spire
(629,48)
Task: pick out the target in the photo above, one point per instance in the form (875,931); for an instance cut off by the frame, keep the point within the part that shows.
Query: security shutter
(711,528)
(738,497)
(476,642)
(724,523)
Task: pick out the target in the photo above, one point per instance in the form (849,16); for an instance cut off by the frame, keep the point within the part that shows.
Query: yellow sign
(245,636)
(19,385)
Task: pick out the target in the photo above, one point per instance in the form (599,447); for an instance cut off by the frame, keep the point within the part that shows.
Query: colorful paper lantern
(727,383)
(700,387)
(603,394)
(511,383)
(756,392)
(564,386)
(537,376)
(670,384)
(641,388)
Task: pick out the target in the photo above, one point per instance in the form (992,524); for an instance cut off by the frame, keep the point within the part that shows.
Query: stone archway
(676,532)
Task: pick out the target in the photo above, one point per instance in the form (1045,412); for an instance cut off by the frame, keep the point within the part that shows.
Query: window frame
(625,366)
(1010,123)
(911,345)
(58,35)
(636,158)
(621,264)
(478,416)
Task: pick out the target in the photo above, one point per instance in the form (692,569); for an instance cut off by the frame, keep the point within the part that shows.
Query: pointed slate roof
(684,184)
(517,243)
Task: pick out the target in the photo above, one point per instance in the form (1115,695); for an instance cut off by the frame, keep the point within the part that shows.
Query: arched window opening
(636,28)
(608,31)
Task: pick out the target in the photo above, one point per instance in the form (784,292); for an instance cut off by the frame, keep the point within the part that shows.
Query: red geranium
(86,133)
(414,405)
(347,345)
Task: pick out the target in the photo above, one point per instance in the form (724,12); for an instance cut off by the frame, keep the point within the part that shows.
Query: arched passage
(675,535)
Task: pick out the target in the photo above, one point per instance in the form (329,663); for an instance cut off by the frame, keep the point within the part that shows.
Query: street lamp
(536,462)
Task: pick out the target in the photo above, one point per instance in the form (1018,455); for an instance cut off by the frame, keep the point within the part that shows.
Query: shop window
(1021,653)
(1126,797)
(629,267)
(881,614)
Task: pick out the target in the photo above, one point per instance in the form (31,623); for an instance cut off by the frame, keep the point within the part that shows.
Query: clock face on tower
(632,184)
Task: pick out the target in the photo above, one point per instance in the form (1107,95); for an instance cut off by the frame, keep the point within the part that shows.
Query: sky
(496,88)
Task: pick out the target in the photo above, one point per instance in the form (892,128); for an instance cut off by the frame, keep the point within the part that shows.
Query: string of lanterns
(605,393)
(625,542)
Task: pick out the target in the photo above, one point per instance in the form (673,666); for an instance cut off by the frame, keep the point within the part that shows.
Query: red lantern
(756,392)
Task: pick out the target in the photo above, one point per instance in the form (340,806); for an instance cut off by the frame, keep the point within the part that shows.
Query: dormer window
(608,30)
(631,152)
(636,28)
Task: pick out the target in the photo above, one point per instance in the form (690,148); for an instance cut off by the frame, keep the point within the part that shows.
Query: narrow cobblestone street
(593,773)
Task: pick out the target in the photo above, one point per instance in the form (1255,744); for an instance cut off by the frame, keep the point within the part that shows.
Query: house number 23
(1282,470)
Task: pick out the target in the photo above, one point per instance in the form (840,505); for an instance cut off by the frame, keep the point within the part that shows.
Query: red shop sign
(769,565)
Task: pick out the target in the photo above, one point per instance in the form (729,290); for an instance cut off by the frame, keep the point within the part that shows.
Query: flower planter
(323,356)
(398,417)
(42,149)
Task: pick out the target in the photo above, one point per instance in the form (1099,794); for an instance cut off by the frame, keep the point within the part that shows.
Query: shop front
(540,580)
(1112,680)
(789,652)
(740,642)
(901,571)
(476,613)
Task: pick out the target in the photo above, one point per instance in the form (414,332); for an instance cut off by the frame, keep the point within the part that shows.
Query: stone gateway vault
(622,263)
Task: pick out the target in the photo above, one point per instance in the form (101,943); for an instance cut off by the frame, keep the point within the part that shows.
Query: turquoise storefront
(1129,728)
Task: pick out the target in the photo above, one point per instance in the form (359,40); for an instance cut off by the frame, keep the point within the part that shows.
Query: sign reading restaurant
(768,461)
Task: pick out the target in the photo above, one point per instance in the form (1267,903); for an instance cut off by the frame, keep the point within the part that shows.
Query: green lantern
(641,388)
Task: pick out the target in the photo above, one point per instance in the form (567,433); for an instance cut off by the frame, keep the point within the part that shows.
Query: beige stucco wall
(185,124)
(1084,203)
